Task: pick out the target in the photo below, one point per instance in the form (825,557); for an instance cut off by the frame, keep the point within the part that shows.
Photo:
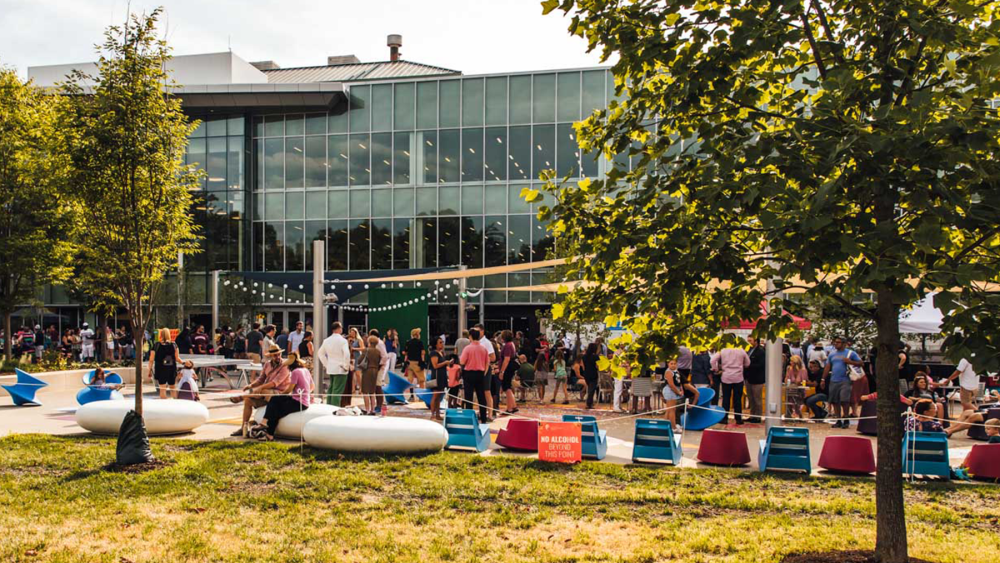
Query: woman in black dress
(163,362)
(440,369)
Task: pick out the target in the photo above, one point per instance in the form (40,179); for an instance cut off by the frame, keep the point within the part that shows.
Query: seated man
(273,377)
(526,373)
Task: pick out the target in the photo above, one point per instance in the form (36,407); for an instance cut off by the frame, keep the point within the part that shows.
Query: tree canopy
(129,172)
(843,147)
(36,219)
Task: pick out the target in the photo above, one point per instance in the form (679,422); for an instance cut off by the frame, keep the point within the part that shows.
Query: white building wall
(186,70)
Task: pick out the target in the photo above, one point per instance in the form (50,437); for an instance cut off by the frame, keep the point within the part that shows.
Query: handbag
(855,373)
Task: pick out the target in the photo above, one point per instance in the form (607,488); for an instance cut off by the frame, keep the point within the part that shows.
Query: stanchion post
(320,327)
(215,301)
(773,376)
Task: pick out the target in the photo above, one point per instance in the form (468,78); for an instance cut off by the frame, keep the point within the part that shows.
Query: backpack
(363,362)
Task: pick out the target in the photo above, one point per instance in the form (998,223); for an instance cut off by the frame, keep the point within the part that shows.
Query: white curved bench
(160,416)
(374,434)
(291,425)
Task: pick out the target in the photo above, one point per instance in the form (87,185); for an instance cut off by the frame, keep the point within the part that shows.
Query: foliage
(831,318)
(36,217)
(56,500)
(830,145)
(130,173)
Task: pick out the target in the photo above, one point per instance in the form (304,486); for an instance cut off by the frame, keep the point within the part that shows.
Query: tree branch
(817,56)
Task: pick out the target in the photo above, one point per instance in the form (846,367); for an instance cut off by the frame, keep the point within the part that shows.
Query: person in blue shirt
(839,391)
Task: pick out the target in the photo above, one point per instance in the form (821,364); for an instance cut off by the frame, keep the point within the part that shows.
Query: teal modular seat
(92,394)
(23,392)
(424,394)
(655,442)
(703,415)
(785,449)
(926,453)
(465,430)
(594,440)
(395,391)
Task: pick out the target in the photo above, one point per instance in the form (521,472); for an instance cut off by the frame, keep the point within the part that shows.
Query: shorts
(669,395)
(507,382)
(839,392)
(968,396)
(166,377)
(417,371)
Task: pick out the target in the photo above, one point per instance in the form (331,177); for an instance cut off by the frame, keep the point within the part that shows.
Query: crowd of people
(83,344)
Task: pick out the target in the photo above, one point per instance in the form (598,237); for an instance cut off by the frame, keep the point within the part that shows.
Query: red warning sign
(560,442)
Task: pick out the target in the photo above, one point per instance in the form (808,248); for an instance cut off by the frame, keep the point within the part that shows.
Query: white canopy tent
(922,318)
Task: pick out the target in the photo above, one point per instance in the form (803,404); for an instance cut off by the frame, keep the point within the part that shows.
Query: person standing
(559,374)
(439,366)
(968,383)
(268,341)
(254,339)
(87,344)
(383,372)
(200,340)
(490,379)
(391,348)
(335,355)
(474,359)
(685,362)
(508,369)
(370,365)
(754,377)
(730,363)
(163,362)
(795,392)
(905,371)
(591,373)
(416,355)
(183,341)
(295,338)
(357,344)
(462,342)
(839,390)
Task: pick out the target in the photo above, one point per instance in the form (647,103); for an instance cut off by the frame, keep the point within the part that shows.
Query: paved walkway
(57,417)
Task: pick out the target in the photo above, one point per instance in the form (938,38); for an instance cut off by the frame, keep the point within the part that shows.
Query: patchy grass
(234,501)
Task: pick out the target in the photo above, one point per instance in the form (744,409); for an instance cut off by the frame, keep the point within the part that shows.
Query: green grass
(233,501)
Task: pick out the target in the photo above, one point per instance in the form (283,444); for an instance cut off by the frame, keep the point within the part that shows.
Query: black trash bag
(133,443)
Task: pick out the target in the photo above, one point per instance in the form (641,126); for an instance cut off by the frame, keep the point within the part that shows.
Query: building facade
(396,165)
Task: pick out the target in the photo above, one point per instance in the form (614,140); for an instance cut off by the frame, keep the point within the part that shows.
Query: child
(526,373)
(454,383)
(993,430)
(923,421)
(99,381)
(189,393)
(541,376)
(559,368)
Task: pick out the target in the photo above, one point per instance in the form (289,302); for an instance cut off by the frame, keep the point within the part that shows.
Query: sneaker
(241,432)
(618,410)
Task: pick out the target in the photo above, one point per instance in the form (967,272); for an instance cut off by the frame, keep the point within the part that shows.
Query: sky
(472,36)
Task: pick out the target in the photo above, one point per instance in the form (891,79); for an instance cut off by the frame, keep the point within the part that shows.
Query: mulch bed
(137,468)
(854,556)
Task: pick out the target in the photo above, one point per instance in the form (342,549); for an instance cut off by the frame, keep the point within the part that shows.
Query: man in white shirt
(492,381)
(968,383)
(86,344)
(295,338)
(335,355)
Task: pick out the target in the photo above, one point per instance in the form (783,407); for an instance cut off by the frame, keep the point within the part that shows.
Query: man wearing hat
(335,355)
(272,378)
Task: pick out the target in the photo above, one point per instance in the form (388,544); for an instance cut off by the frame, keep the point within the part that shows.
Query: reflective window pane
(215,128)
(360,108)
(314,230)
(450,239)
(360,171)
(518,280)
(381,244)
(568,96)
(216,161)
(518,239)
(382,203)
(472,155)
(542,241)
(520,99)
(495,241)
(496,199)
(401,233)
(339,204)
(402,202)
(472,101)
(274,125)
(337,160)
(567,151)
(359,253)
(404,106)
(274,236)
(496,154)
(425,239)
(472,200)
(235,125)
(426,201)
(427,105)
(199,131)
(258,128)
(520,153)
(294,249)
(381,159)
(448,163)
(516,202)
(336,248)
(316,205)
(544,98)
(544,149)
(316,124)
(294,161)
(337,121)
(274,206)
(402,149)
(448,198)
(472,241)
(496,100)
(361,205)
(448,105)
(234,163)
(294,124)
(427,157)
(257,211)
(497,280)
(315,162)
(274,164)
(294,202)
(257,256)
(258,164)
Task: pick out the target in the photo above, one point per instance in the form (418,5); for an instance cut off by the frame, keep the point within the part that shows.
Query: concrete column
(180,291)
(772,406)
(320,327)
(462,287)
(215,302)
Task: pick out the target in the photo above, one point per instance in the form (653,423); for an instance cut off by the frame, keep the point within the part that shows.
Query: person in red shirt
(474,361)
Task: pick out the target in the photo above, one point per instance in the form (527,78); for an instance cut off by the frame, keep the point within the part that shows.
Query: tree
(36,218)
(129,173)
(836,146)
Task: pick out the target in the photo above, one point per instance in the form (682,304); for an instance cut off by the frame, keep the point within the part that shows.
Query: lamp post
(319,307)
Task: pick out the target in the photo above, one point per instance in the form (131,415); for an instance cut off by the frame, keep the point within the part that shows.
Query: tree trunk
(138,337)
(8,338)
(890,517)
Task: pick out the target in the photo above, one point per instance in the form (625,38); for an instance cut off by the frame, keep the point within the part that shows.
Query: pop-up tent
(922,318)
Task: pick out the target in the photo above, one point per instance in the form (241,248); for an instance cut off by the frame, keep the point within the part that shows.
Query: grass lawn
(232,501)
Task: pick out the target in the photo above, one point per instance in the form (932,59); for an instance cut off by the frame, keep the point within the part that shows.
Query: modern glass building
(396,165)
